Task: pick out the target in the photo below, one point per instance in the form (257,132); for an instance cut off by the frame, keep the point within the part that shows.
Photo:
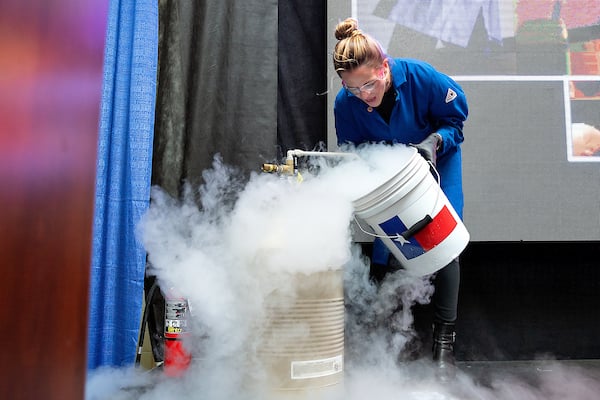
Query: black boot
(443,350)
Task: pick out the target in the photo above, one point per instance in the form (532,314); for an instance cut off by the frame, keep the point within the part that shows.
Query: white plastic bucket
(414,219)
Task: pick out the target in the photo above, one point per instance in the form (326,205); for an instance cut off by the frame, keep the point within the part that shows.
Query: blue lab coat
(427,101)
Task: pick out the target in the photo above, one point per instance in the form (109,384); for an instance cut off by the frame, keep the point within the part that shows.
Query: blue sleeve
(448,109)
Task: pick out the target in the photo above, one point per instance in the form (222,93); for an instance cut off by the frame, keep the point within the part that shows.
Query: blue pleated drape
(124,170)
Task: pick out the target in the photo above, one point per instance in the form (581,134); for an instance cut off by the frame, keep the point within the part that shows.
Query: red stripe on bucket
(437,230)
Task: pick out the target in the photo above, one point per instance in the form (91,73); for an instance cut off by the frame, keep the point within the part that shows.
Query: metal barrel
(302,344)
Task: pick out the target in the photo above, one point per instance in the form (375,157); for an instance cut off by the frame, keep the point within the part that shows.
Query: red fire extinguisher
(177,357)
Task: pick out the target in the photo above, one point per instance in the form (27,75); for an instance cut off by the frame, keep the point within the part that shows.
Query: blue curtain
(124,170)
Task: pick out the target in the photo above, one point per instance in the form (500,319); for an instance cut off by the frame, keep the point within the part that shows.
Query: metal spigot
(289,168)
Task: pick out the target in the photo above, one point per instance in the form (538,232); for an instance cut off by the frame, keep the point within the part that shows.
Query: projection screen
(531,72)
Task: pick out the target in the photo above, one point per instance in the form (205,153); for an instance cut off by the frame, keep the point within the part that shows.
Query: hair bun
(346,28)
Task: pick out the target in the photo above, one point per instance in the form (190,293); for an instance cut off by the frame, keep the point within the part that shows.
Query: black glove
(429,147)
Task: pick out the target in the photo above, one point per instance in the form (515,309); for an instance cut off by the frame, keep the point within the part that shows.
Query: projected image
(521,41)
(557,36)
(483,37)
(583,140)
(444,33)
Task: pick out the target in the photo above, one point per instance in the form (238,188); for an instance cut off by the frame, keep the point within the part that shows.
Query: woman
(405,101)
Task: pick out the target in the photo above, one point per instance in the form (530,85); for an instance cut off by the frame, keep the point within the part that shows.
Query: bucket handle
(417,226)
(407,234)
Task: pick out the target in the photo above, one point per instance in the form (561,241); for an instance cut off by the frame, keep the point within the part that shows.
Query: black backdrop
(238,79)
(302,80)
(217,85)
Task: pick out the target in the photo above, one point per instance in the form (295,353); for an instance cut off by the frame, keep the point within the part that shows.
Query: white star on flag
(401,239)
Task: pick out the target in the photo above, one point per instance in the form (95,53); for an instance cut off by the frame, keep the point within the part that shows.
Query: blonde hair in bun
(355,48)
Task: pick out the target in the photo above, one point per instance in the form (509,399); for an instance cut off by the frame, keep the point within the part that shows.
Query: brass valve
(289,168)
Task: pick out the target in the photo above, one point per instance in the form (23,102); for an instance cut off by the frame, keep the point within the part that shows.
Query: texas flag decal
(424,240)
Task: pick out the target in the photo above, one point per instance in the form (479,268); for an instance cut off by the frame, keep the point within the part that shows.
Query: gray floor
(530,370)
(476,380)
(535,379)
